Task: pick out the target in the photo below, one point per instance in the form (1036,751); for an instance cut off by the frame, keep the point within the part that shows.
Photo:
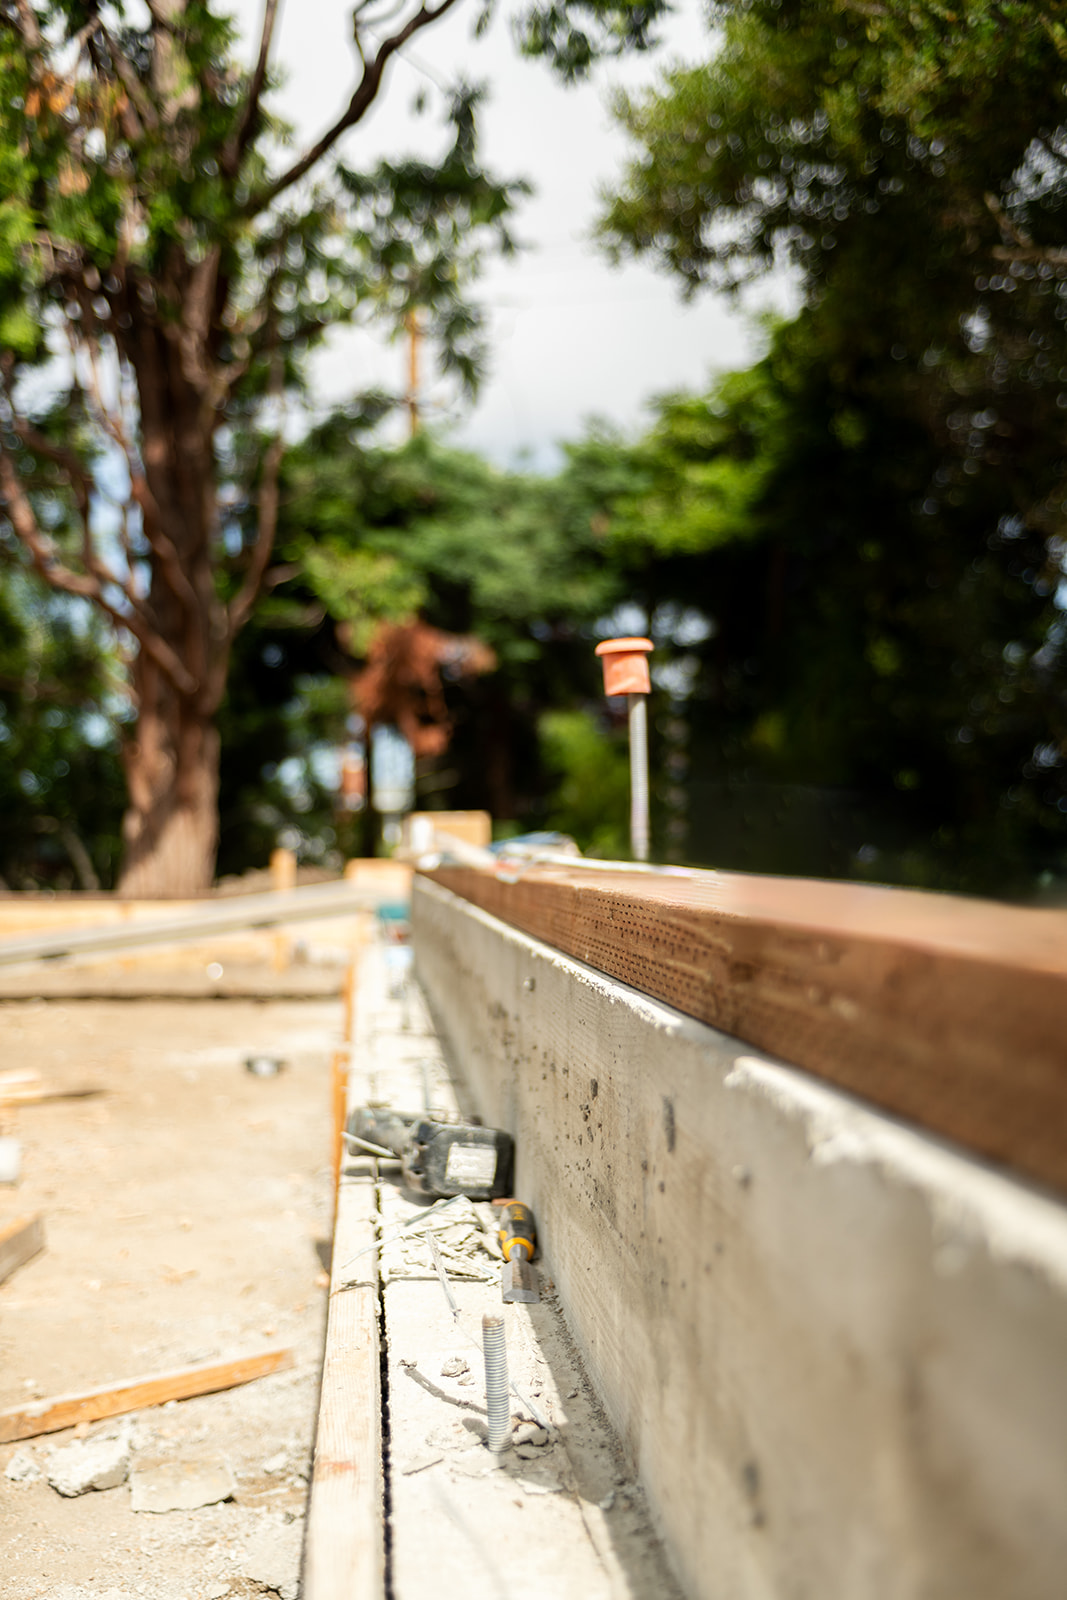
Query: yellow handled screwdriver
(518,1242)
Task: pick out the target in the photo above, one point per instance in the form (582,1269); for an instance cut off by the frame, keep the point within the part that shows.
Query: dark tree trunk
(170,829)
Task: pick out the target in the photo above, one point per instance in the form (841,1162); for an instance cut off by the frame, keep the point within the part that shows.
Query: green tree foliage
(846,683)
(60,776)
(904,537)
(901,656)
(911,162)
(382,534)
(591,800)
(171,262)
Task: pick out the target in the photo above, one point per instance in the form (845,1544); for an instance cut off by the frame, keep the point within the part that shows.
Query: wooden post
(282,870)
(282,877)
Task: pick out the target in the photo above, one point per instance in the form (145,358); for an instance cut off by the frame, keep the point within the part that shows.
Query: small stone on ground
(22,1468)
(87,1464)
(181,1486)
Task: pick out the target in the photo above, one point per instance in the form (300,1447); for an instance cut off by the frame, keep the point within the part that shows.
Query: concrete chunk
(272,1558)
(22,1468)
(89,1464)
(180,1486)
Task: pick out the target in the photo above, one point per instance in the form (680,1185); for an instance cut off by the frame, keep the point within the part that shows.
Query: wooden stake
(113,1400)
(19,1241)
(350,1000)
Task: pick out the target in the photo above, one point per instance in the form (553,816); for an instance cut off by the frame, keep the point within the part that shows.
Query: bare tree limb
(130,81)
(86,586)
(170,566)
(129,121)
(74,846)
(62,457)
(160,19)
(28,23)
(95,568)
(360,103)
(1018,244)
(247,122)
(240,607)
(267,506)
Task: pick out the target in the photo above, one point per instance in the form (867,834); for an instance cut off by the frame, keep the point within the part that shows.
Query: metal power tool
(437,1157)
(518,1241)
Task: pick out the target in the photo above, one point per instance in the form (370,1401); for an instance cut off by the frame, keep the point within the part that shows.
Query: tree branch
(28,24)
(86,586)
(160,19)
(241,605)
(357,107)
(245,130)
(75,848)
(1018,244)
(62,457)
(130,82)
(128,118)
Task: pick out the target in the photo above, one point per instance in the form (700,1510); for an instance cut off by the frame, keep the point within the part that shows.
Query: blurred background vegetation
(850,557)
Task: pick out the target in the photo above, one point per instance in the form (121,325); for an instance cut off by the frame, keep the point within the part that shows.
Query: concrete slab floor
(186,1210)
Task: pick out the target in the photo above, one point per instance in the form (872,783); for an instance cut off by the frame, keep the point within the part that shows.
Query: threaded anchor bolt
(496,1382)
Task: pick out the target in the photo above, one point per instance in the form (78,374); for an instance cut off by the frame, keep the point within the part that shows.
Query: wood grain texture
(20,1240)
(947,1012)
(344,1545)
(338,1102)
(113,1400)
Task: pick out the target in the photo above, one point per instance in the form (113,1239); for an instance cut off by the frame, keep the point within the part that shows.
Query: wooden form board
(344,1541)
(947,1012)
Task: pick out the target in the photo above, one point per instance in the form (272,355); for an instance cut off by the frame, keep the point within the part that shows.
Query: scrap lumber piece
(33,1094)
(20,1241)
(136,1394)
(19,1078)
(947,1012)
(344,1544)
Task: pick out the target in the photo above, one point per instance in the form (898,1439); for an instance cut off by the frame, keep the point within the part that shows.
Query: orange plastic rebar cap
(625,665)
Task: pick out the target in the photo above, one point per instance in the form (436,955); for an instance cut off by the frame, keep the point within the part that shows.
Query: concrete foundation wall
(835,1349)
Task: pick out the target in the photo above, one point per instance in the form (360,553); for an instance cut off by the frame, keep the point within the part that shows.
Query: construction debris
(272,1559)
(20,1088)
(20,1241)
(181,1486)
(86,1464)
(466,1247)
(22,1468)
(10,1160)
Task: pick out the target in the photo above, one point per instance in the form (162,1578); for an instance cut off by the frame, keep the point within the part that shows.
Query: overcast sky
(571,337)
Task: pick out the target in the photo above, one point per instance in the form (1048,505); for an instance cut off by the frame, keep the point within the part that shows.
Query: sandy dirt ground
(187,1214)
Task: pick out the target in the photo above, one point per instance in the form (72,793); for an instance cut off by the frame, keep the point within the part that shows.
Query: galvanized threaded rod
(496,1381)
(638,705)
